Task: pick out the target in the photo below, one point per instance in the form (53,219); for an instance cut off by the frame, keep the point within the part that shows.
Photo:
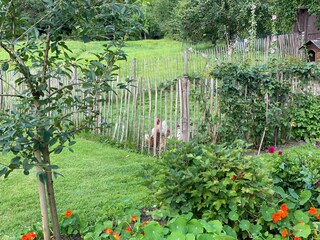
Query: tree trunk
(51,197)
(43,200)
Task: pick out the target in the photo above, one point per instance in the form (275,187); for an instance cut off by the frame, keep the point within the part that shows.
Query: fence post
(185,101)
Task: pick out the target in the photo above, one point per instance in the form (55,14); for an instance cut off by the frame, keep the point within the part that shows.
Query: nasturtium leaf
(233,215)
(190,236)
(214,226)
(267,212)
(205,236)
(176,235)
(255,229)
(300,216)
(195,227)
(305,196)
(179,224)
(244,225)
(302,230)
(223,237)
(153,231)
(230,231)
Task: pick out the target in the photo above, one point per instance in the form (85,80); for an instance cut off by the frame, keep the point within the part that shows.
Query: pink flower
(317,143)
(271,149)
(279,153)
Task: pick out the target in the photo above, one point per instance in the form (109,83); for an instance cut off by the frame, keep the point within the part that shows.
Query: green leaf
(179,224)
(153,231)
(267,213)
(305,196)
(214,226)
(302,230)
(176,235)
(205,236)
(318,199)
(223,237)
(3,171)
(190,236)
(300,216)
(5,66)
(233,216)
(230,231)
(244,225)
(195,227)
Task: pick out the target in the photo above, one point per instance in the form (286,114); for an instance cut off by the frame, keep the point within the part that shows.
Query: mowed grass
(98,181)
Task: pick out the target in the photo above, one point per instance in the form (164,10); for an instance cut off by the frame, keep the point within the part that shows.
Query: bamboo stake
(150,112)
(155,117)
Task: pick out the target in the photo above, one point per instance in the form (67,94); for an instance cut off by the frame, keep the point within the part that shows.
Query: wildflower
(276,217)
(284,207)
(274,17)
(128,229)
(108,231)
(116,236)
(271,149)
(297,238)
(133,218)
(25,237)
(312,211)
(283,214)
(293,124)
(284,233)
(279,153)
(68,213)
(233,178)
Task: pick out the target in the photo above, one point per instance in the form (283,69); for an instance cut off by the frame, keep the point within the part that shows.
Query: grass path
(98,180)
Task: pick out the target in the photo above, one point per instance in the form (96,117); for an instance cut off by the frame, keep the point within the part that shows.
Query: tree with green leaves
(41,122)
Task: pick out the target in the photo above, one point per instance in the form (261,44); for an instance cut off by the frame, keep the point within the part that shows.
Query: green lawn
(98,181)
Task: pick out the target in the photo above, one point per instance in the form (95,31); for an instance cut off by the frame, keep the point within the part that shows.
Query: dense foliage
(259,102)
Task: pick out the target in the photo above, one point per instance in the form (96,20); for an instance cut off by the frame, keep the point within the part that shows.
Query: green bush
(305,117)
(213,182)
(297,172)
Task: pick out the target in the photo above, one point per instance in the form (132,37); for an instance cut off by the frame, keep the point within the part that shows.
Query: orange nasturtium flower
(68,213)
(318,217)
(108,231)
(276,217)
(297,238)
(284,207)
(284,232)
(29,236)
(128,229)
(116,236)
(283,214)
(233,178)
(312,211)
(133,218)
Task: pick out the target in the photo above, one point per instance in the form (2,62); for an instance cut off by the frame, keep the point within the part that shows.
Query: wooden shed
(307,25)
(313,50)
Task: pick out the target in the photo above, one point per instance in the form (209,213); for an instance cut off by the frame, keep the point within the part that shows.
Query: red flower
(29,236)
(284,207)
(297,238)
(318,217)
(133,218)
(233,178)
(279,153)
(317,143)
(25,237)
(284,233)
(283,214)
(271,149)
(142,233)
(312,211)
(68,213)
(128,229)
(276,217)
(116,236)
(108,231)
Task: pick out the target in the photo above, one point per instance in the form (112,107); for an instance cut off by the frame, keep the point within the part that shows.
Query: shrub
(213,182)
(305,117)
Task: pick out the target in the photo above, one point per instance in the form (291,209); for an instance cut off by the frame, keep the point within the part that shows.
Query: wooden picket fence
(161,90)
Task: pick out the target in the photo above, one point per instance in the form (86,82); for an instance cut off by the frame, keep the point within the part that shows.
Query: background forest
(196,20)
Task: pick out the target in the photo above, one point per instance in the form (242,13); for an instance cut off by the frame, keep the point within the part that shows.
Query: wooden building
(312,48)
(307,25)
